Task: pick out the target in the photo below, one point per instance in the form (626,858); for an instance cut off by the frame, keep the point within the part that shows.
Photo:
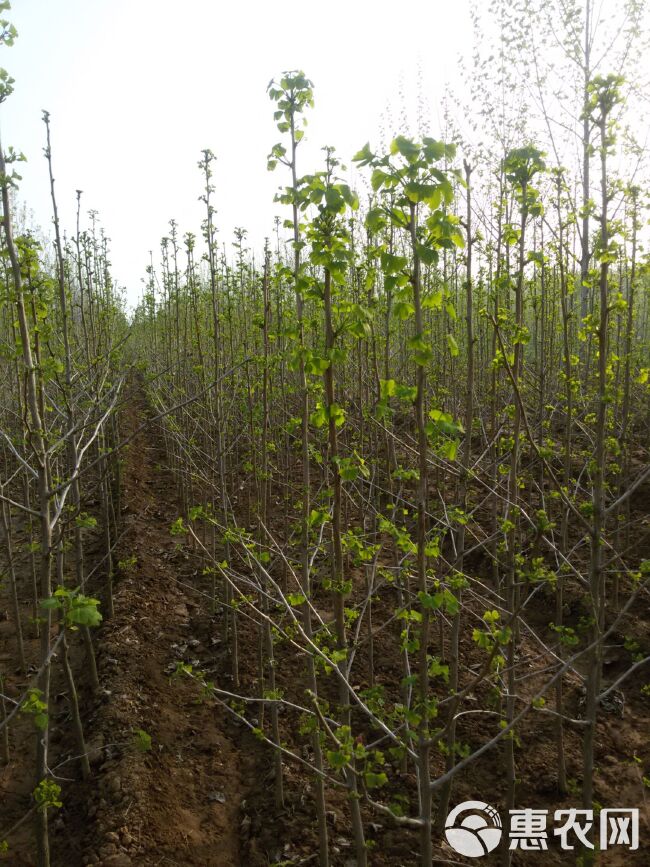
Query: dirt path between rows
(179,802)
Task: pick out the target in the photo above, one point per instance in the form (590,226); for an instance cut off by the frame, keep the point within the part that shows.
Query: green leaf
(364,156)
(403,310)
(178,528)
(334,199)
(432,602)
(85,615)
(453,346)
(317,517)
(378,179)
(451,311)
(436,150)
(410,150)
(406,392)
(422,351)
(337,414)
(450,449)
(375,219)
(432,301)
(47,794)
(392,264)
(295,599)
(51,604)
(141,741)
(336,759)
(427,255)
(374,780)
(319,417)
(316,365)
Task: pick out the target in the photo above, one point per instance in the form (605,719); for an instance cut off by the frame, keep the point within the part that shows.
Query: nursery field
(337,552)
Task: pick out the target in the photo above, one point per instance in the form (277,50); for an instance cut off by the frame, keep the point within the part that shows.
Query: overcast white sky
(136,88)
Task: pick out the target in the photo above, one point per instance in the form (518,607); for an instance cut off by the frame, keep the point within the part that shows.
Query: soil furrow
(177,802)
